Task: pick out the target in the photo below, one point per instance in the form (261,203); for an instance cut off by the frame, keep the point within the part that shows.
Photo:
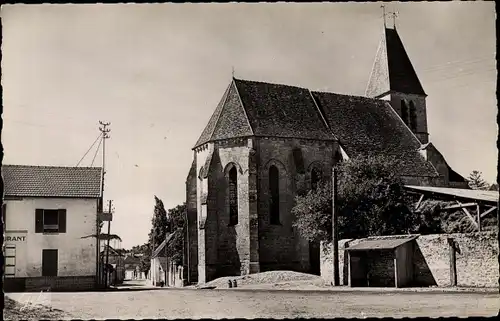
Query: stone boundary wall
(476,259)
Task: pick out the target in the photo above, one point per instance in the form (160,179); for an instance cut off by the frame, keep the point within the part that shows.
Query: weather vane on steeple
(394,15)
(232,71)
(383,13)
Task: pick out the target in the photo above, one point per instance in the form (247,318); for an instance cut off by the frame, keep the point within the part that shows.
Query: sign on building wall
(15,237)
(14,241)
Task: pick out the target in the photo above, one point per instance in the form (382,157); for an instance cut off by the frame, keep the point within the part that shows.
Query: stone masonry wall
(421,112)
(233,253)
(191,263)
(280,246)
(476,260)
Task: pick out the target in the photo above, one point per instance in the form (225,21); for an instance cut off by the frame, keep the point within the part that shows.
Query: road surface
(239,303)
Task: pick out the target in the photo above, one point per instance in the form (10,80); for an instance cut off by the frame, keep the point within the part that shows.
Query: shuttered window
(50,221)
(4,215)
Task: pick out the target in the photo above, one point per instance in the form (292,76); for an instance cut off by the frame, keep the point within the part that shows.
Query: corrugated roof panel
(381,244)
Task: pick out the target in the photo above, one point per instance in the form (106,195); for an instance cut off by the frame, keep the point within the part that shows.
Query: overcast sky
(157,72)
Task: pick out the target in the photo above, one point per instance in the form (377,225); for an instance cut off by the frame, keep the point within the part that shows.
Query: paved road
(190,303)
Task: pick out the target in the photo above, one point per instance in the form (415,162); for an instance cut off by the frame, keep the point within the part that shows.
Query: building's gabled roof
(392,69)
(362,125)
(160,251)
(250,108)
(51,181)
(370,126)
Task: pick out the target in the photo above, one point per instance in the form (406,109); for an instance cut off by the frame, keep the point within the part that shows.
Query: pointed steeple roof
(392,69)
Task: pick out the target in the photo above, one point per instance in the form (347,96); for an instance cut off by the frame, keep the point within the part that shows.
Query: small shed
(382,262)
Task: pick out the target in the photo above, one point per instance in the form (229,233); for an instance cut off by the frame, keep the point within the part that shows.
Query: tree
(371,201)
(476,181)
(159,224)
(176,224)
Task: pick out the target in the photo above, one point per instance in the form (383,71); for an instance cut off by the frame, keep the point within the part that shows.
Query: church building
(265,143)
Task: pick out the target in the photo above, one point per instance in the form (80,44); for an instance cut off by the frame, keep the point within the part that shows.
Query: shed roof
(477,195)
(52,181)
(381,244)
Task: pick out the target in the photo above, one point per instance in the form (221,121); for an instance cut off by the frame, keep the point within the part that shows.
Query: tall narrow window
(404,112)
(315,178)
(413,116)
(274,193)
(233,196)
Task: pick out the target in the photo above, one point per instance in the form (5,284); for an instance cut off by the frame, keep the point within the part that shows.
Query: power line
(464,62)
(96,152)
(461,74)
(89,149)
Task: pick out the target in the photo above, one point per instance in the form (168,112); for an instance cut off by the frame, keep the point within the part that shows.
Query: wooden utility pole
(107,246)
(104,131)
(335,240)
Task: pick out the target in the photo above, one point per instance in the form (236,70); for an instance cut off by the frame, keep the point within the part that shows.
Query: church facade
(265,143)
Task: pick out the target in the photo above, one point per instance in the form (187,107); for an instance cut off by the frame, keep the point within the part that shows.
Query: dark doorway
(314,258)
(358,270)
(49,262)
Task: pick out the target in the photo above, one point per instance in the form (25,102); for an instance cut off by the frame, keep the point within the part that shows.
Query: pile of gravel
(271,277)
(14,310)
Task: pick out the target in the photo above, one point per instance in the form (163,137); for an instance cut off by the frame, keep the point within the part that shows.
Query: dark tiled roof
(362,125)
(392,69)
(49,181)
(250,108)
(206,135)
(281,110)
(370,126)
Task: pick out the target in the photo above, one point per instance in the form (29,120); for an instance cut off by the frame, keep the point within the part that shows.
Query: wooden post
(107,249)
(335,241)
(478,217)
(453,263)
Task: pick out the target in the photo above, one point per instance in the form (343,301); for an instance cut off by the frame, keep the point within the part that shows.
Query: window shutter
(38,220)
(4,215)
(62,221)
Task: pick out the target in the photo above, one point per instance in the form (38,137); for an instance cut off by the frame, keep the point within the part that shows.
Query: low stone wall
(476,259)
(60,283)
(175,276)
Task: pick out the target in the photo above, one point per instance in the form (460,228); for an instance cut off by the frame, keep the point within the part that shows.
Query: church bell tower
(394,79)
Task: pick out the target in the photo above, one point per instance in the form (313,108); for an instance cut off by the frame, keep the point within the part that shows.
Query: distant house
(116,265)
(164,270)
(132,267)
(48,212)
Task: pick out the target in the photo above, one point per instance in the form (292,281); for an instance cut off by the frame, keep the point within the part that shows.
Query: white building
(50,215)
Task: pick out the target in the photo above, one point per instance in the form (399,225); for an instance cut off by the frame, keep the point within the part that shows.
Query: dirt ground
(240,303)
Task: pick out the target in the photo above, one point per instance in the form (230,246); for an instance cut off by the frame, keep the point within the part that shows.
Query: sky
(157,72)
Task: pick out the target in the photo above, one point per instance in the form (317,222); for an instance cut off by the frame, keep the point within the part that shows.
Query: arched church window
(404,111)
(413,116)
(274,193)
(315,178)
(233,196)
